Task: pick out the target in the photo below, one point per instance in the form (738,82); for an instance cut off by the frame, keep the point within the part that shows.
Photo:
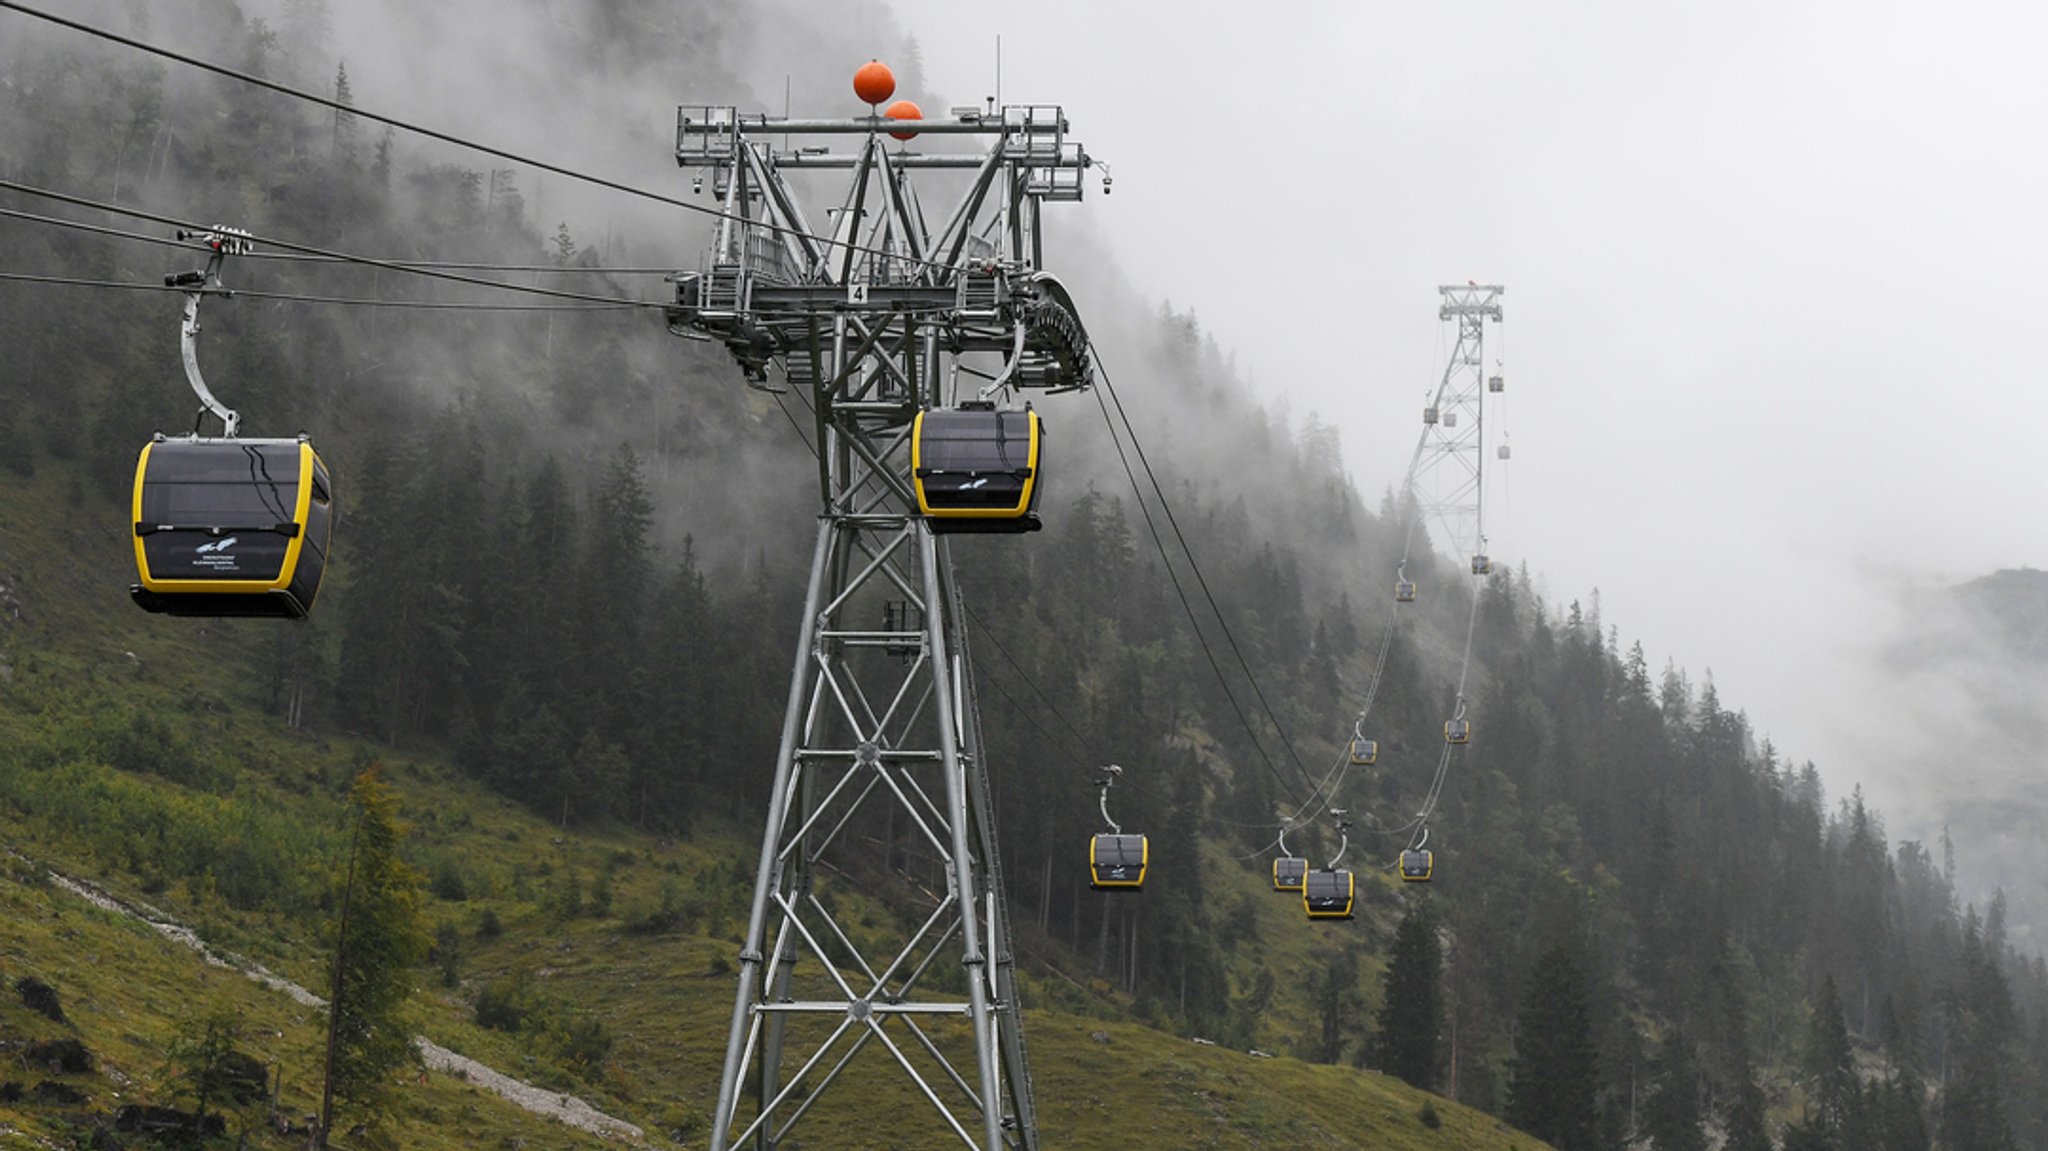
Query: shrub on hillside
(671,913)
(508,1004)
(40,998)
(61,1056)
(447,953)
(448,883)
(582,1042)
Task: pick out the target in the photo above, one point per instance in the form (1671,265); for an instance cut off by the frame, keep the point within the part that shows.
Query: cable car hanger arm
(1105,783)
(222,241)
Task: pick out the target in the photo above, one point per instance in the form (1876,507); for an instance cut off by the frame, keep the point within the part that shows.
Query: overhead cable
(446,137)
(295,298)
(344,257)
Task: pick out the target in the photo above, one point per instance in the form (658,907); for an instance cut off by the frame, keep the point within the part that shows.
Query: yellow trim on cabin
(1350,898)
(1024,494)
(1144,862)
(290,568)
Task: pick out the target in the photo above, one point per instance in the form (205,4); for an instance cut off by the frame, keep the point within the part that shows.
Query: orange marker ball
(873,82)
(904,110)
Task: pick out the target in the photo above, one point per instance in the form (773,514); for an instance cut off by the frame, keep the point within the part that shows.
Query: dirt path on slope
(567,1108)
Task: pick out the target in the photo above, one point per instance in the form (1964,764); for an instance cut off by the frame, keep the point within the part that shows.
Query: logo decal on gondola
(974,483)
(215,556)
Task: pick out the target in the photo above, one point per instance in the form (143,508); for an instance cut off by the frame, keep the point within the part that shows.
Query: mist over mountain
(1961,733)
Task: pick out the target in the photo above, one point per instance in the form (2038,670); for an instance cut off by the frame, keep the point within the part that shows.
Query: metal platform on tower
(881,777)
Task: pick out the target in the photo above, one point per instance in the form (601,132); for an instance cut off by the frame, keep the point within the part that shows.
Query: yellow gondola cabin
(976,468)
(1118,862)
(1327,893)
(231,527)
(1288,872)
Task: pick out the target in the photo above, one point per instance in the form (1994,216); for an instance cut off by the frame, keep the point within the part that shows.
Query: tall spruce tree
(1745,1120)
(1898,1104)
(1673,1117)
(1554,1075)
(1971,1117)
(1833,1095)
(1334,987)
(1407,1042)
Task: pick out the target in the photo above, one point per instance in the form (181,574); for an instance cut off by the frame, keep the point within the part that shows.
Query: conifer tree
(1832,1090)
(201,1061)
(1673,1117)
(380,938)
(1554,1076)
(1971,1118)
(1745,1120)
(1334,989)
(1898,1104)
(1407,1042)
(341,144)
(618,575)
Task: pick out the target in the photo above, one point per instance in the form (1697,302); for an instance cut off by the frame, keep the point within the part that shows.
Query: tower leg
(766,874)
(1007,1010)
(965,880)
(858,729)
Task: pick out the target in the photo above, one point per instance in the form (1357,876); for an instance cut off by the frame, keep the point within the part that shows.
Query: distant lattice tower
(880,777)
(1450,468)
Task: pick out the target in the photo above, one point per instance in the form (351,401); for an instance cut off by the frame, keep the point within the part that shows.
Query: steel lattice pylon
(1450,466)
(881,763)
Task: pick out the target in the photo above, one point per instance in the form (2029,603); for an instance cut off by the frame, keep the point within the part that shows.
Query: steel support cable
(1086,745)
(1436,786)
(1326,791)
(1341,771)
(1317,789)
(345,257)
(1017,706)
(1194,622)
(1409,517)
(103,230)
(1379,668)
(296,257)
(1088,748)
(1434,793)
(1464,672)
(295,298)
(801,434)
(1194,566)
(449,138)
(1325,801)
(470,266)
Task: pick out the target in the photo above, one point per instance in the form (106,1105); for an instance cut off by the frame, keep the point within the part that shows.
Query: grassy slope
(126,989)
(81,651)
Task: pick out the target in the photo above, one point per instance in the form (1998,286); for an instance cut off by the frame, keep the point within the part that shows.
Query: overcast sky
(1773,266)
